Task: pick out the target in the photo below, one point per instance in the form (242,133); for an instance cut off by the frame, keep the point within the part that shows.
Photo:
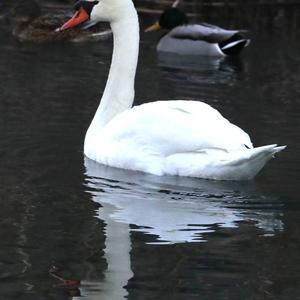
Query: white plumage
(186,138)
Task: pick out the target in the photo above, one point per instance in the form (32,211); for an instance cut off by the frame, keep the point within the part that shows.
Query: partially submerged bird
(176,137)
(29,24)
(196,39)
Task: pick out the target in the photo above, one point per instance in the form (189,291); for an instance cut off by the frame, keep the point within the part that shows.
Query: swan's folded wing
(170,127)
(203,32)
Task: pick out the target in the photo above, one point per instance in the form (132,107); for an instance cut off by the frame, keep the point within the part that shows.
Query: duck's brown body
(29,24)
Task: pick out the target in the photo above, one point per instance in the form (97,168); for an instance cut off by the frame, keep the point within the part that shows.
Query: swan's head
(169,19)
(92,12)
(83,11)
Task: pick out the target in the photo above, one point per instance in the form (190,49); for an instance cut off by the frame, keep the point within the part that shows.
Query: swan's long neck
(119,90)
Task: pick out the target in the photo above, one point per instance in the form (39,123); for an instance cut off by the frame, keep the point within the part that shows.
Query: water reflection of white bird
(174,209)
(168,209)
(185,138)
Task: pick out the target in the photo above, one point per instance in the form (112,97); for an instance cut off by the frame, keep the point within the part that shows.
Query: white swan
(186,138)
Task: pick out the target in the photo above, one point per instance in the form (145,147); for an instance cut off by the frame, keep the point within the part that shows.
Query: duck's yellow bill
(153,27)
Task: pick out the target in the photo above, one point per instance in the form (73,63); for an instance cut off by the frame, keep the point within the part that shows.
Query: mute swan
(185,138)
(196,39)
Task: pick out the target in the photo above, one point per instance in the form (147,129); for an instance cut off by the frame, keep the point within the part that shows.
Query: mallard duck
(176,137)
(31,25)
(196,39)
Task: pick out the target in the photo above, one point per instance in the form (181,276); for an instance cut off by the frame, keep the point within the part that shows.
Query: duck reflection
(204,70)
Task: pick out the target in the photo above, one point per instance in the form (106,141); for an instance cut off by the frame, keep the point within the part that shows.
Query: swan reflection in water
(168,209)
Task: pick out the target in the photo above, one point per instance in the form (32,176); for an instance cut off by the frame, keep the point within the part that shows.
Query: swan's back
(148,137)
(185,138)
(178,126)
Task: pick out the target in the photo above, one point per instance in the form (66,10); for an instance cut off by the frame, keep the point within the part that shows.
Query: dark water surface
(115,234)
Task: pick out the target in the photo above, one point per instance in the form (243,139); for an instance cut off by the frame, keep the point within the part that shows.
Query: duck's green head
(169,19)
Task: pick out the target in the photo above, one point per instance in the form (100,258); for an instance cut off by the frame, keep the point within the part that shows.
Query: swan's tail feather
(265,151)
(243,164)
(250,163)
(278,149)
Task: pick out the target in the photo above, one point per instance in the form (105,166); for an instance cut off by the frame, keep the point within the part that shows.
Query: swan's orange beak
(79,17)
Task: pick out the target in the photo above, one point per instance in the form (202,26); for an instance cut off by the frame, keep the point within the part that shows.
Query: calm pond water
(115,234)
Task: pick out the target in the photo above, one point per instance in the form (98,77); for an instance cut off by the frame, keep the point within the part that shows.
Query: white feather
(186,138)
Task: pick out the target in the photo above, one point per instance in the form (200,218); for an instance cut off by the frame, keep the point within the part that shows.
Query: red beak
(79,17)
